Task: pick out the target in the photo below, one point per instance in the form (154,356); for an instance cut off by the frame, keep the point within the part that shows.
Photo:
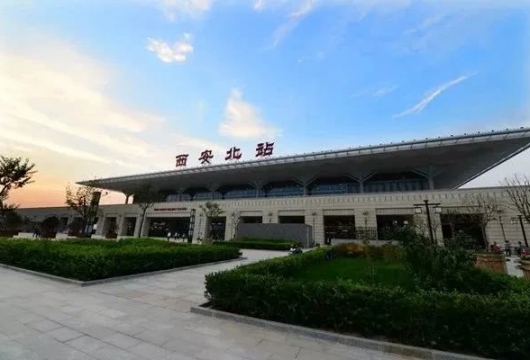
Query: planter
(492,262)
(525,266)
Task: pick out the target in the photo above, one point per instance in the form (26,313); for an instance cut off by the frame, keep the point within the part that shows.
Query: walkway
(139,319)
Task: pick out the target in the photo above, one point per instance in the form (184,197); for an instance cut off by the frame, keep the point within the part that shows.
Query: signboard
(263,150)
(171,209)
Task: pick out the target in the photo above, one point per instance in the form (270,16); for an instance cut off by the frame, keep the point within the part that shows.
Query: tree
(480,209)
(9,218)
(84,202)
(49,227)
(518,190)
(145,197)
(210,210)
(15,173)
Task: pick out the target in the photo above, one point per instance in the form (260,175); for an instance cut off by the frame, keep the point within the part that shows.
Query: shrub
(252,239)
(96,259)
(255,245)
(493,326)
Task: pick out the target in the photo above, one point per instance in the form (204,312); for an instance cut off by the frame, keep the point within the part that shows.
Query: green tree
(15,173)
(145,197)
(83,201)
(210,210)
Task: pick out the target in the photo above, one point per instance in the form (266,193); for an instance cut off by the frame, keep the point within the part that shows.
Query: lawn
(360,270)
(98,259)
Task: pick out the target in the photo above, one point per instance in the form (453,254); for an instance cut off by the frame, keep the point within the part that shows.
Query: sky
(98,88)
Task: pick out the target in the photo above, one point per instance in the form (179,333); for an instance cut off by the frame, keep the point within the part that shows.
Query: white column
(101,225)
(121,224)
(315,219)
(137,226)
(200,227)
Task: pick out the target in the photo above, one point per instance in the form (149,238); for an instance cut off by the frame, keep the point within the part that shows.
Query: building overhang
(450,162)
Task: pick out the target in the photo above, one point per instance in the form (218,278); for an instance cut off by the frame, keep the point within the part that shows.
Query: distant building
(344,194)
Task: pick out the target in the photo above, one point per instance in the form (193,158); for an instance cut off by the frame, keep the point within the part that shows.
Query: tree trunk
(142,224)
(483,228)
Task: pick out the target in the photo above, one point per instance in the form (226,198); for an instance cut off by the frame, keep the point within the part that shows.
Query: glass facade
(333,186)
(283,189)
(379,183)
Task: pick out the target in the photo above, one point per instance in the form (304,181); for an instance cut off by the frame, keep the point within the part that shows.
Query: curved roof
(451,161)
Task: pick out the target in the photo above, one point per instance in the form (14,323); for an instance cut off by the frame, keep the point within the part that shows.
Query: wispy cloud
(293,19)
(431,95)
(174,8)
(243,120)
(385,90)
(178,52)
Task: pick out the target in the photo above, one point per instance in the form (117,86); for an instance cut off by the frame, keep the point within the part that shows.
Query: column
(271,217)
(137,226)
(200,227)
(101,225)
(366,220)
(121,224)
(315,219)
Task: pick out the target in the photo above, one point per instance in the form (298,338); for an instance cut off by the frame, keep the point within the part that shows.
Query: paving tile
(86,344)
(279,348)
(44,325)
(150,351)
(122,341)
(110,352)
(64,334)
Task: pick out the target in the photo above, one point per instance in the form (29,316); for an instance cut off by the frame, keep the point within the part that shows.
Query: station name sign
(233,154)
(171,209)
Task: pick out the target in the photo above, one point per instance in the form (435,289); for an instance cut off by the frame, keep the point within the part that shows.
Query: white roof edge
(322,155)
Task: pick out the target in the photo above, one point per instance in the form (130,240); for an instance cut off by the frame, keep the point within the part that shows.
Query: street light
(513,221)
(437,210)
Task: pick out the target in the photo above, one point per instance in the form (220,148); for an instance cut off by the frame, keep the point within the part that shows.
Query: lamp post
(437,210)
(522,228)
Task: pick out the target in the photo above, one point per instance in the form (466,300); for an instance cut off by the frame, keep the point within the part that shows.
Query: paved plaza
(142,318)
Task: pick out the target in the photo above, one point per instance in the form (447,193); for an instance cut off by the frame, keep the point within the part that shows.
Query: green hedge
(255,245)
(97,259)
(487,325)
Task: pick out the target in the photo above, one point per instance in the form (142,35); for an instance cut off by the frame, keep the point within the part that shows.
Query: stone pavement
(143,318)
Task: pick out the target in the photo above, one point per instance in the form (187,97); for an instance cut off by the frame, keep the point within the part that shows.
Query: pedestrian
(507,248)
(168,235)
(519,248)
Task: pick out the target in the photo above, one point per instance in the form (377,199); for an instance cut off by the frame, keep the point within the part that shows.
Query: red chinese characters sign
(181,160)
(263,150)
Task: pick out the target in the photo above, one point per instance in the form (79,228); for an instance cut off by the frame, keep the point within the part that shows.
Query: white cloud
(384,91)
(293,19)
(178,52)
(430,96)
(242,120)
(172,9)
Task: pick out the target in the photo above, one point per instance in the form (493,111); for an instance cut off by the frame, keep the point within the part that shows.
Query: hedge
(255,245)
(267,240)
(486,325)
(96,259)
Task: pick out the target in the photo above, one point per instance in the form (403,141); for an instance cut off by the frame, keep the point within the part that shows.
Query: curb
(368,344)
(112,279)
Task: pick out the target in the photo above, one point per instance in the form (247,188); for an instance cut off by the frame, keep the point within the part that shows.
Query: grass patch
(359,270)
(97,259)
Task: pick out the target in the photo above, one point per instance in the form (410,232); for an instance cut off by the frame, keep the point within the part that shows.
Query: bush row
(489,325)
(93,259)
(255,239)
(255,245)
(383,252)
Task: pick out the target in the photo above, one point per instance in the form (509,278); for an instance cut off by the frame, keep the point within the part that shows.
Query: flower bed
(96,259)
(493,325)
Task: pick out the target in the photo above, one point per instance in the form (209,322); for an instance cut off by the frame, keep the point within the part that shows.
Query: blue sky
(122,86)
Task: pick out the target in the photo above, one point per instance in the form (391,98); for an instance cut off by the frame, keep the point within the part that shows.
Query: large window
(394,182)
(283,189)
(238,192)
(330,186)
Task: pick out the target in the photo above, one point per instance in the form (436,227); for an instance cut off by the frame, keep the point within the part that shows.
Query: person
(295,249)
(168,235)
(495,248)
(507,248)
(519,248)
